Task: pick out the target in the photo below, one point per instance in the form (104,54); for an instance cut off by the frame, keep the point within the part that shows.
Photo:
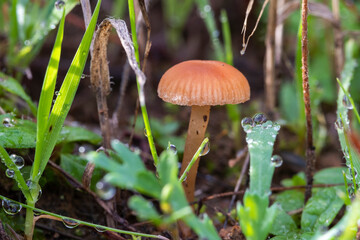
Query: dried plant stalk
(310,149)
(269,64)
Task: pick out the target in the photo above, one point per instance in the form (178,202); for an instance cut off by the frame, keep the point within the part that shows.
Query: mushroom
(201,84)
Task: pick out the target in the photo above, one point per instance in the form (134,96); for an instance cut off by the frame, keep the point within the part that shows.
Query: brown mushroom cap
(201,83)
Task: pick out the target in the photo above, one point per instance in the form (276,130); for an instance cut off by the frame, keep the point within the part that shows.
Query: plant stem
(142,103)
(193,160)
(270,58)
(29,221)
(32,208)
(310,149)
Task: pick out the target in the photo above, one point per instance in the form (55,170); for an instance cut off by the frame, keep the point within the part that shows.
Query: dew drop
(18,160)
(271,143)
(34,189)
(69,223)
(205,150)
(339,124)
(82,149)
(173,149)
(11,207)
(27,42)
(145,132)
(52,26)
(7,122)
(59,4)
(100,229)
(215,34)
(276,161)
(10,173)
(242,52)
(246,122)
(268,124)
(105,190)
(276,127)
(259,118)
(57,93)
(83,76)
(207,8)
(346,102)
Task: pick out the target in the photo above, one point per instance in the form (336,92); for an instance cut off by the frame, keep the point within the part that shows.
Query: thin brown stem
(237,187)
(310,149)
(339,55)
(269,63)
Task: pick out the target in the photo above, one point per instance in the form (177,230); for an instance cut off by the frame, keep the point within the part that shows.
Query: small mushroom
(201,84)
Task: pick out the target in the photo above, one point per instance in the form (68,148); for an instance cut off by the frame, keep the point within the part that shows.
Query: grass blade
(64,99)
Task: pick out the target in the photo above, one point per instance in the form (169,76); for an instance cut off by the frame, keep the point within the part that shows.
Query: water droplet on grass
(82,149)
(27,42)
(346,102)
(276,161)
(69,223)
(339,124)
(105,190)
(205,150)
(10,173)
(59,4)
(259,118)
(57,93)
(7,122)
(145,132)
(18,160)
(247,124)
(207,8)
(34,188)
(11,207)
(172,147)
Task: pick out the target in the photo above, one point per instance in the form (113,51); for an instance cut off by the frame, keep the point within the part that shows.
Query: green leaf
(14,87)
(73,165)
(144,209)
(289,109)
(290,200)
(296,180)
(130,174)
(283,223)
(22,133)
(167,167)
(79,134)
(260,139)
(256,218)
(330,176)
(18,134)
(321,209)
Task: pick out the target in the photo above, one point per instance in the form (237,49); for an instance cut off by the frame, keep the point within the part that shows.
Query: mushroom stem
(199,119)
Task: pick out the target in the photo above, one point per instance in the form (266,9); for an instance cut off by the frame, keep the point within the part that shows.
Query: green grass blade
(48,88)
(64,99)
(227,37)
(207,14)
(5,158)
(13,36)
(140,86)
